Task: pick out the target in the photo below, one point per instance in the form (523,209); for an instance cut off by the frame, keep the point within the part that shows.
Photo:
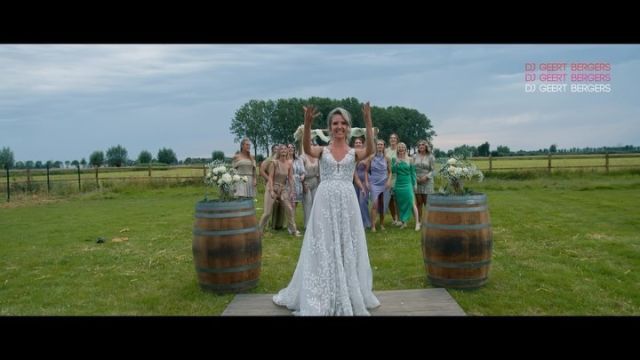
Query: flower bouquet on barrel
(455,171)
(457,240)
(225,177)
(227,244)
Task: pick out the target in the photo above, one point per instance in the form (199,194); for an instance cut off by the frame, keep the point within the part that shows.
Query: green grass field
(563,245)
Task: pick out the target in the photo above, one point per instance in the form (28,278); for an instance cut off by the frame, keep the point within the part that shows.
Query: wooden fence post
(490,163)
(149,168)
(48,182)
(606,161)
(8,187)
(97,182)
(28,180)
(549,164)
(79,187)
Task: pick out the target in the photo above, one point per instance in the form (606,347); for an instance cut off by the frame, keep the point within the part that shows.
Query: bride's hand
(309,114)
(366,114)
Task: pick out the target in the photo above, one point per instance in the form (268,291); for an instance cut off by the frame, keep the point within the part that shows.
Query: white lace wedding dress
(333,275)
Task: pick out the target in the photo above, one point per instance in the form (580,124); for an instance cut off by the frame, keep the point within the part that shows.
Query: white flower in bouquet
(224,177)
(455,170)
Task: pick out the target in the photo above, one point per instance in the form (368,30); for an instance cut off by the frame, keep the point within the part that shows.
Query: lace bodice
(330,169)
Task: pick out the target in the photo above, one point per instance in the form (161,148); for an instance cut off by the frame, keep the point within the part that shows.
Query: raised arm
(369,148)
(309,114)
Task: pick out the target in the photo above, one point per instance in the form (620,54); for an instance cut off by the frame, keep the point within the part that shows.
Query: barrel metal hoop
(200,232)
(225,205)
(201,215)
(457,200)
(246,267)
(457,227)
(458,282)
(457,209)
(460,265)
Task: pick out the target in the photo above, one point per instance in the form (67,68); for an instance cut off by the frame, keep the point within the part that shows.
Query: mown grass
(563,245)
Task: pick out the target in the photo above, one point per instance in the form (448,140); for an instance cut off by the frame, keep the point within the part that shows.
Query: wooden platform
(420,302)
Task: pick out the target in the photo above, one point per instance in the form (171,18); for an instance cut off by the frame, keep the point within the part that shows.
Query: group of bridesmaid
(388,181)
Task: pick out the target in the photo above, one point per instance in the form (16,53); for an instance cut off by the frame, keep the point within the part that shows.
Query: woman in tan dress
(424,163)
(277,218)
(280,171)
(310,184)
(245,164)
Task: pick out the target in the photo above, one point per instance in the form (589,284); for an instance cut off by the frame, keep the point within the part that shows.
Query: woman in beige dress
(310,184)
(424,162)
(277,217)
(245,165)
(280,172)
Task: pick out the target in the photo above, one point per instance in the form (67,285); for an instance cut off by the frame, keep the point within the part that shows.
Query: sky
(62,102)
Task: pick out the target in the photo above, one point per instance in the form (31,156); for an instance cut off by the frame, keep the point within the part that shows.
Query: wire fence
(76,180)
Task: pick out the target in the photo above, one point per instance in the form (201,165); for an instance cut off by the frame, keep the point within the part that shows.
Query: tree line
(116,156)
(268,122)
(502,150)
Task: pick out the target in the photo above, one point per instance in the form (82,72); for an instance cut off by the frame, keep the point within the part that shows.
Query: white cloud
(184,96)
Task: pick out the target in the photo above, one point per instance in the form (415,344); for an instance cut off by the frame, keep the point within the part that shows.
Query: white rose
(226,178)
(215,178)
(236,178)
(452,170)
(452,161)
(458,171)
(245,179)
(220,181)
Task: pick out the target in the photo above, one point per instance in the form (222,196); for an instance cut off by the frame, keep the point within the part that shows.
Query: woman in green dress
(404,187)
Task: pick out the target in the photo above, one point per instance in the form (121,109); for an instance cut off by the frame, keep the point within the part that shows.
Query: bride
(333,275)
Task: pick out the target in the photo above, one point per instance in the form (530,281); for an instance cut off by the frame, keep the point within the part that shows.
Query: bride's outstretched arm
(309,114)
(369,149)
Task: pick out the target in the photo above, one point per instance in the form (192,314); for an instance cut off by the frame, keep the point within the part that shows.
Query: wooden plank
(419,302)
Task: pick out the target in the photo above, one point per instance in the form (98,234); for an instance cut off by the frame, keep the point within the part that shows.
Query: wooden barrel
(227,245)
(457,240)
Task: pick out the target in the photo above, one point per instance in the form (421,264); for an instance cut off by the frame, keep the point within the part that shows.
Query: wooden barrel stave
(227,246)
(457,241)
